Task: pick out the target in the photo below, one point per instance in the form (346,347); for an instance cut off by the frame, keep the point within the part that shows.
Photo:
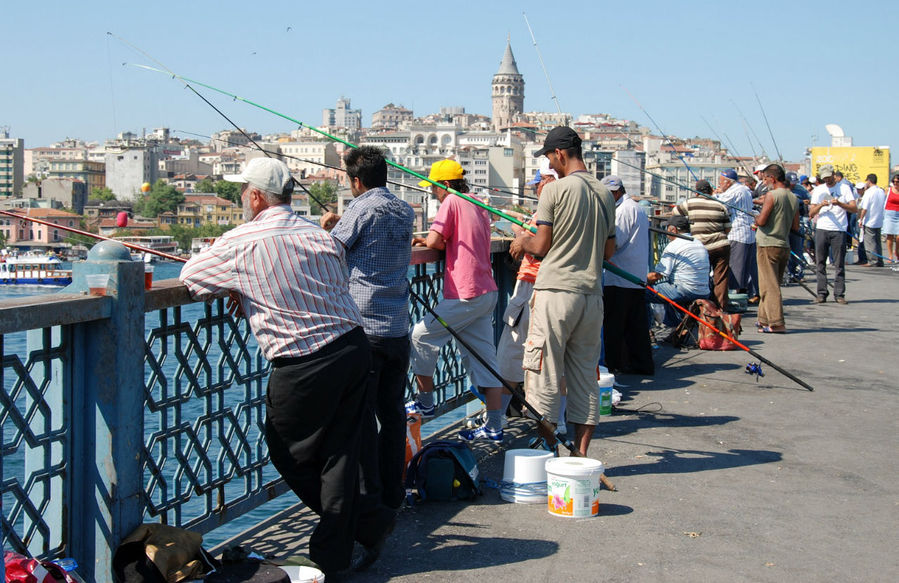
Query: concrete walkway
(720,477)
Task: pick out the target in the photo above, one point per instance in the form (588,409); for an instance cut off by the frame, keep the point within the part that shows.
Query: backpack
(443,471)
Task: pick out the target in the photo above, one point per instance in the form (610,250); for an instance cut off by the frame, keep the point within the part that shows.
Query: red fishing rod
(93,235)
(630,277)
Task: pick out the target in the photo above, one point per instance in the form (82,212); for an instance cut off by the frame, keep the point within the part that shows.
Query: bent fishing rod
(188,81)
(630,277)
(546,425)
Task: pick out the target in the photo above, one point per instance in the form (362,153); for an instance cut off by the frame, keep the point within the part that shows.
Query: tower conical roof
(508,66)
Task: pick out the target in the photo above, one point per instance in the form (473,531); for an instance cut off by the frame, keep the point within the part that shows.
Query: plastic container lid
(574,467)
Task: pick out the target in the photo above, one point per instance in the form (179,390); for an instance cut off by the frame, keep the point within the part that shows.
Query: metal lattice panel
(204,418)
(34,436)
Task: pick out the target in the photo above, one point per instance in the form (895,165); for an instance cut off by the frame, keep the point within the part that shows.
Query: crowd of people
(328,305)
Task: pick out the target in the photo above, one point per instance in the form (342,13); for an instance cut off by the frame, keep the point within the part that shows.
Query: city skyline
(687,65)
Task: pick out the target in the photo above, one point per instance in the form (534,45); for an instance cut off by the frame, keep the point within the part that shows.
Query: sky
(697,68)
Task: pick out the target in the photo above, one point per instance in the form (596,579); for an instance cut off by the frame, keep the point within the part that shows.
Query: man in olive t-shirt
(780,213)
(575,232)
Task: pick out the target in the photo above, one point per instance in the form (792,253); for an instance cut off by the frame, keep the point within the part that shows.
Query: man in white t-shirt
(870,218)
(830,205)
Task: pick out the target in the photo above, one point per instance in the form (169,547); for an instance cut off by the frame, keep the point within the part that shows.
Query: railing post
(107,417)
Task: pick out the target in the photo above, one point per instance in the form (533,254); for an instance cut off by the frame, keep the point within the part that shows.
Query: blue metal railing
(148,407)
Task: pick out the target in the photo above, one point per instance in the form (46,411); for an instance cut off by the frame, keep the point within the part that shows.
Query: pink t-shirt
(466,229)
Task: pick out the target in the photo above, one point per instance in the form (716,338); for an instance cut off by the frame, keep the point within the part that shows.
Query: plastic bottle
(605,382)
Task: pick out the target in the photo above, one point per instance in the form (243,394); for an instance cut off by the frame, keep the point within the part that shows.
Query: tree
(161,198)
(205,185)
(323,191)
(102,194)
(228,190)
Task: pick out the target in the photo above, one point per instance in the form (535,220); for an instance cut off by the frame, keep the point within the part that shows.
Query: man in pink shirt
(462,229)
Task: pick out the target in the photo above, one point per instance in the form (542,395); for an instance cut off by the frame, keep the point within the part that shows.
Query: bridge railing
(147,407)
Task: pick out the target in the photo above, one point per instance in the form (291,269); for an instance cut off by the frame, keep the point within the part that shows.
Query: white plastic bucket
(304,574)
(572,486)
(524,476)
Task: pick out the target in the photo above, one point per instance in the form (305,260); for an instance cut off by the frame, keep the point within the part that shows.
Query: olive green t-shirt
(776,231)
(581,212)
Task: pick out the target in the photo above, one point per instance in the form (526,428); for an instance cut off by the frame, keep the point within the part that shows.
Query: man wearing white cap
(830,204)
(290,279)
(625,330)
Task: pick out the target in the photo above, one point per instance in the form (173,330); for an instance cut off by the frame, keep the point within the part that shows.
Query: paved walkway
(720,477)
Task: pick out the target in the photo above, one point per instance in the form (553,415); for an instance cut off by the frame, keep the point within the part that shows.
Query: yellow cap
(444,170)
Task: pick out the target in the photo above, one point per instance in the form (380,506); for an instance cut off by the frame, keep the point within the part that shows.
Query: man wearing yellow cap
(462,229)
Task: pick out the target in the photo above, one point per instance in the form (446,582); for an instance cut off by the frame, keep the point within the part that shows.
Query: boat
(163,243)
(33,269)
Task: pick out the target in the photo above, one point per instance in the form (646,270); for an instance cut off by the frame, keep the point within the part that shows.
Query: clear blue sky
(812,64)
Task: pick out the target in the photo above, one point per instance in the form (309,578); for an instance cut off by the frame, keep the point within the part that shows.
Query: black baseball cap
(680,222)
(561,138)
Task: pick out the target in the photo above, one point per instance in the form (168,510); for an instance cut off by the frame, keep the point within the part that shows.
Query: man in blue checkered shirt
(743,268)
(376,229)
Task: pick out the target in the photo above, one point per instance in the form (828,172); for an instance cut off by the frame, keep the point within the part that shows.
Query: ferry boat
(164,243)
(32,269)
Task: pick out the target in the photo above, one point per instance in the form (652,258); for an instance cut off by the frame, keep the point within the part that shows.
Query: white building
(343,116)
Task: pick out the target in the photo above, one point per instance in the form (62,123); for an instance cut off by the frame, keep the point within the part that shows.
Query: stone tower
(508,91)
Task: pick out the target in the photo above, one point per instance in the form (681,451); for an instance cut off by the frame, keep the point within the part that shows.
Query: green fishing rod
(400,167)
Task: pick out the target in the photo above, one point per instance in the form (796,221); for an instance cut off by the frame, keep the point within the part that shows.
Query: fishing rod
(544,424)
(670,143)
(630,277)
(400,167)
(93,235)
(764,115)
(474,201)
(749,125)
(221,113)
(670,234)
(539,56)
(720,141)
(298,159)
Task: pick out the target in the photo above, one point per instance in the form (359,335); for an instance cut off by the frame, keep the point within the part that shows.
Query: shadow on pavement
(682,461)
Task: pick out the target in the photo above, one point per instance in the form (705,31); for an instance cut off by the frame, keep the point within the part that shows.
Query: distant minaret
(508,91)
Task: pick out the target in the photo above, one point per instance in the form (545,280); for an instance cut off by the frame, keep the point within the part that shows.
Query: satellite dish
(834,130)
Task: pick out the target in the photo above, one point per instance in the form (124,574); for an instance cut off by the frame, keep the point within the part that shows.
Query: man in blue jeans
(684,265)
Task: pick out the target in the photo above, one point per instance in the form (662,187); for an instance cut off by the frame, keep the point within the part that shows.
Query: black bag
(444,470)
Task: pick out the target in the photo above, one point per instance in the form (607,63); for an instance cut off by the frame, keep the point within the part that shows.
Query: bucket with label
(524,476)
(572,486)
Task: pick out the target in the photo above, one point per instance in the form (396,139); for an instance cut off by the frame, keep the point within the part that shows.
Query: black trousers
(313,425)
(383,453)
(626,331)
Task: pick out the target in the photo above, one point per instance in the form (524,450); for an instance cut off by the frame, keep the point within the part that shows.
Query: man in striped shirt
(290,279)
(710,225)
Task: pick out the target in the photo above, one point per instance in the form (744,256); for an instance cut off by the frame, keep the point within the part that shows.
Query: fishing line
(764,115)
(720,141)
(115,123)
(545,72)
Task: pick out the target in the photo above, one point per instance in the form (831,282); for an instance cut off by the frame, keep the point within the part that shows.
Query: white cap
(759,168)
(813,179)
(859,185)
(545,169)
(265,174)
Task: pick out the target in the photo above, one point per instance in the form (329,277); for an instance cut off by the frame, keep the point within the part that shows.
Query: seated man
(685,267)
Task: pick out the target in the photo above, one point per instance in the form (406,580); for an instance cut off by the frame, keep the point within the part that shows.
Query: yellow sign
(854,162)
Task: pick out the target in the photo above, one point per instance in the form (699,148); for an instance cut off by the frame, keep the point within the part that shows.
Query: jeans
(827,242)
(680,295)
(874,245)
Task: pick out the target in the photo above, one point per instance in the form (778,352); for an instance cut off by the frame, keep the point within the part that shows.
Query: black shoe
(371,553)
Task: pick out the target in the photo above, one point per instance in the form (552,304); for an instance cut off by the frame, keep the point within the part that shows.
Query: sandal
(770,330)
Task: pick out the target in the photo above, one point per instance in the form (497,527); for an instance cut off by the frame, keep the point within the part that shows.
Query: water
(16,344)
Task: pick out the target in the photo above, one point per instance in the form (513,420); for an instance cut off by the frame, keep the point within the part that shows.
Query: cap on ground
(560,138)
(265,174)
(444,170)
(611,182)
(730,174)
(680,222)
(825,171)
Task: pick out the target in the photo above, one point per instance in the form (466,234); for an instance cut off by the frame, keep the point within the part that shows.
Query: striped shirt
(376,230)
(739,196)
(291,276)
(709,221)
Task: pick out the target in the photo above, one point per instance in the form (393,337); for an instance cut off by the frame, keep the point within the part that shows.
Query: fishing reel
(755,368)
